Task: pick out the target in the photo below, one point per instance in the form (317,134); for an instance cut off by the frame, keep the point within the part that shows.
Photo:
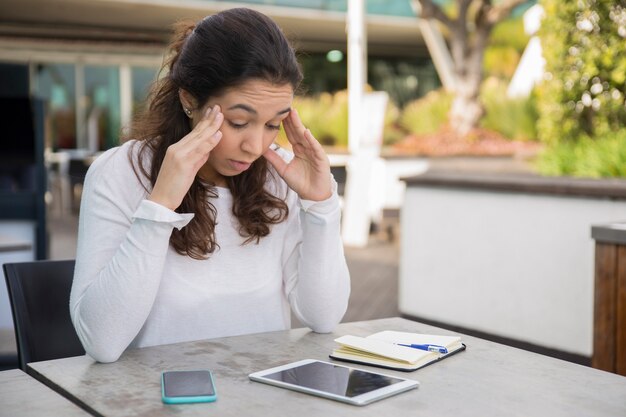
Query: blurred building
(93,61)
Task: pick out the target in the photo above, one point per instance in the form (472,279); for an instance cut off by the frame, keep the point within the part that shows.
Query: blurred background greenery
(577,112)
(581,103)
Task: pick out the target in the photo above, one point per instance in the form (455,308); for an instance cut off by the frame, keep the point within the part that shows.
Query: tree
(468,31)
(584,91)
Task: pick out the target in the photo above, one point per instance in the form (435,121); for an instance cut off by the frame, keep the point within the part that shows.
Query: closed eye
(273,127)
(237,125)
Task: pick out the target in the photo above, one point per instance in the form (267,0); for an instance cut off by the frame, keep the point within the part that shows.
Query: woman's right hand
(184,159)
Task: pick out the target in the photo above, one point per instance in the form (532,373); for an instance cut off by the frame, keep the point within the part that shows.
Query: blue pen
(430,348)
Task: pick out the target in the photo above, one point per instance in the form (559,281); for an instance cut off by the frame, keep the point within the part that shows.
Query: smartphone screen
(188,386)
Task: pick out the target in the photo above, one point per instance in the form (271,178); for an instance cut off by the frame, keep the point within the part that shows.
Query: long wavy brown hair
(221,51)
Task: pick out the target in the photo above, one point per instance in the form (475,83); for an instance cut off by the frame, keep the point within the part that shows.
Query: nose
(253,144)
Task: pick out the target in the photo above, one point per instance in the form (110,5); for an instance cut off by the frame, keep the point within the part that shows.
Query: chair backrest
(39,292)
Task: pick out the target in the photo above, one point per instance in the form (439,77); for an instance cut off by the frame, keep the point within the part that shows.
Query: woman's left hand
(308,173)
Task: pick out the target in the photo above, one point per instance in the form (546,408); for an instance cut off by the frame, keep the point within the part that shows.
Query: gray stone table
(23,396)
(488,379)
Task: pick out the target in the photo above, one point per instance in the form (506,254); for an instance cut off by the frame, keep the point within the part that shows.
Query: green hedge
(326,115)
(584,44)
(582,102)
(427,114)
(514,118)
(506,45)
(586,157)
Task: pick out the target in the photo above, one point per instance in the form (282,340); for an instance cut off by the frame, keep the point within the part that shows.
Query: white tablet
(337,382)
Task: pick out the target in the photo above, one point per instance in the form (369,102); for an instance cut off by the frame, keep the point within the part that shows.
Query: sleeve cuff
(149,210)
(323,207)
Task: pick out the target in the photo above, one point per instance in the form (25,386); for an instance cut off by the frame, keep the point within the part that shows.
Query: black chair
(39,292)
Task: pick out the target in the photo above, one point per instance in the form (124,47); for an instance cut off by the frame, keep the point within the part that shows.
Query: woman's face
(253,113)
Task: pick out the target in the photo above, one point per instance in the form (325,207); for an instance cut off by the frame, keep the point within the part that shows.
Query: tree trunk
(469,34)
(466,110)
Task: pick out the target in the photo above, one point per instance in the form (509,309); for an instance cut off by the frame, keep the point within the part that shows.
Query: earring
(187,111)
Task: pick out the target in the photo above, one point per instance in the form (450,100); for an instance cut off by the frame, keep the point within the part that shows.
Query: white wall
(510,264)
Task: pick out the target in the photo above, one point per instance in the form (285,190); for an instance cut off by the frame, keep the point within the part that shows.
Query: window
(102,107)
(404,78)
(55,83)
(142,79)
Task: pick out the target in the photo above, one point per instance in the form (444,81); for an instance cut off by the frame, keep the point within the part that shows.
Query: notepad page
(390,336)
(383,348)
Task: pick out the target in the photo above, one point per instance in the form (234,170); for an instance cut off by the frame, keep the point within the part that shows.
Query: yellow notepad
(383,349)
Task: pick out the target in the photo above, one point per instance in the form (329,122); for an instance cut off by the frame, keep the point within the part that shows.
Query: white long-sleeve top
(132,289)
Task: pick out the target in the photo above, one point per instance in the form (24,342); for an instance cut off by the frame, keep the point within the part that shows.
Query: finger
(199,148)
(203,141)
(207,118)
(290,131)
(209,127)
(294,119)
(307,143)
(212,121)
(308,136)
(315,152)
(276,161)
(295,125)
(211,142)
(312,143)
(295,130)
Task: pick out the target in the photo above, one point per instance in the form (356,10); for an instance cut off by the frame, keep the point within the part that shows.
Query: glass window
(55,83)
(323,75)
(404,78)
(375,7)
(102,107)
(142,79)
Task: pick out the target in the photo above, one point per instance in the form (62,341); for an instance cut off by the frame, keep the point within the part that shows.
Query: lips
(239,165)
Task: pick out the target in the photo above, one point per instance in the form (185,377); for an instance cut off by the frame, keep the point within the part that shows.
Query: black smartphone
(180,387)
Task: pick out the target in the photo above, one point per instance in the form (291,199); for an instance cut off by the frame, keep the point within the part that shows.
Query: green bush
(326,115)
(392,132)
(336,119)
(427,114)
(582,102)
(510,32)
(587,157)
(513,118)
(501,61)
(506,45)
(583,94)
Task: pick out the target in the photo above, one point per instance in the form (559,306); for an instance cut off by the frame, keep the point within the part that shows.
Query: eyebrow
(251,110)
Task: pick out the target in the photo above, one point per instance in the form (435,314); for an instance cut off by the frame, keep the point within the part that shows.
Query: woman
(199,227)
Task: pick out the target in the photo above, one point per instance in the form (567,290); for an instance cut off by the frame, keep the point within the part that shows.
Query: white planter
(509,256)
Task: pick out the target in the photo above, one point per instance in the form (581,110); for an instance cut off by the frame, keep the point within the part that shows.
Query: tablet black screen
(333,379)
